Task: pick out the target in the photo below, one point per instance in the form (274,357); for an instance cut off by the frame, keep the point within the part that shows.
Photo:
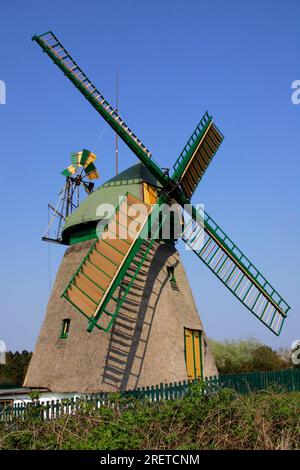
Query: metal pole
(117,109)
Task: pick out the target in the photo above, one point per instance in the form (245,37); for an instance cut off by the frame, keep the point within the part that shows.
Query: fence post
(161,391)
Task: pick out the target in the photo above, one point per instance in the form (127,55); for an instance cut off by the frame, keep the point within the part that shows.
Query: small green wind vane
(78,175)
(93,289)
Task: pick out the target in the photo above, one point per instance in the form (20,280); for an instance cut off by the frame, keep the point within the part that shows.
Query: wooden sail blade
(210,243)
(197,155)
(61,57)
(126,277)
(99,272)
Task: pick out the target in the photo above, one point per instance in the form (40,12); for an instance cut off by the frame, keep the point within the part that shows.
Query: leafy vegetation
(15,368)
(267,420)
(247,355)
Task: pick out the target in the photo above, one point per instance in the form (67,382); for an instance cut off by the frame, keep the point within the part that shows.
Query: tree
(264,358)
(15,368)
(247,355)
(234,356)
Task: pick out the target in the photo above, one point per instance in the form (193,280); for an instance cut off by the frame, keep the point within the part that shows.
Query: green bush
(247,355)
(224,421)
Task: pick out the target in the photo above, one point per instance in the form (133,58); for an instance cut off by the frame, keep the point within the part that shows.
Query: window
(65,328)
(171,274)
(193,353)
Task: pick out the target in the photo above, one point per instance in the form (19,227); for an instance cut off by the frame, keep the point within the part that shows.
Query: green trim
(65,328)
(104,256)
(82,235)
(123,270)
(120,301)
(99,287)
(194,355)
(201,353)
(81,311)
(89,252)
(191,146)
(113,184)
(114,247)
(99,269)
(245,267)
(85,294)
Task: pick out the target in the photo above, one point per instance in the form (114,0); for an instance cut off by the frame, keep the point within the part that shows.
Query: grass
(265,421)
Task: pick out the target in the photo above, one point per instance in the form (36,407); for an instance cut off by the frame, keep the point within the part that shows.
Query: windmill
(105,275)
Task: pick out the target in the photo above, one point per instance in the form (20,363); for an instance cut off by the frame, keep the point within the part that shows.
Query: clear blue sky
(176,60)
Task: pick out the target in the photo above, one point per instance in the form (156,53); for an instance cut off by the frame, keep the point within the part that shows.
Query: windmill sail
(235,270)
(60,56)
(100,268)
(197,155)
(109,260)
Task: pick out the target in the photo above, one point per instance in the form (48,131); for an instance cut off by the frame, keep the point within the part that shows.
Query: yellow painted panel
(150,194)
(91,158)
(197,339)
(193,359)
(71,169)
(93,175)
(189,355)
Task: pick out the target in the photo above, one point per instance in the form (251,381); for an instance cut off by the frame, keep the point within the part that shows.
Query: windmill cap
(134,174)
(129,180)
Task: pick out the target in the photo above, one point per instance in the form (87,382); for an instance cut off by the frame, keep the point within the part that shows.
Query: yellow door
(193,353)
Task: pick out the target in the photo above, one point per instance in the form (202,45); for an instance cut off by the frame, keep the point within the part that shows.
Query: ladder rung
(238,284)
(107,313)
(213,256)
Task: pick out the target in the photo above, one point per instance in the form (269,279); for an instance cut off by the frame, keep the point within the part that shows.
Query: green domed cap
(81,224)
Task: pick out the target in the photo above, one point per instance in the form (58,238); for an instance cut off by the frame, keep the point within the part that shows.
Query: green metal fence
(285,381)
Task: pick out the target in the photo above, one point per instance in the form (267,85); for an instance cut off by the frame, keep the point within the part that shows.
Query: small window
(171,275)
(65,328)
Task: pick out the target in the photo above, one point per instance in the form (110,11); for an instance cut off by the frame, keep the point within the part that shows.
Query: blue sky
(176,60)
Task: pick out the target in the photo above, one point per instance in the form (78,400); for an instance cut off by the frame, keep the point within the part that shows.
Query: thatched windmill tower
(131,290)
(146,344)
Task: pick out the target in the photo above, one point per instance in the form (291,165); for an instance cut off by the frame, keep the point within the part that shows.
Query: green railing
(287,380)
